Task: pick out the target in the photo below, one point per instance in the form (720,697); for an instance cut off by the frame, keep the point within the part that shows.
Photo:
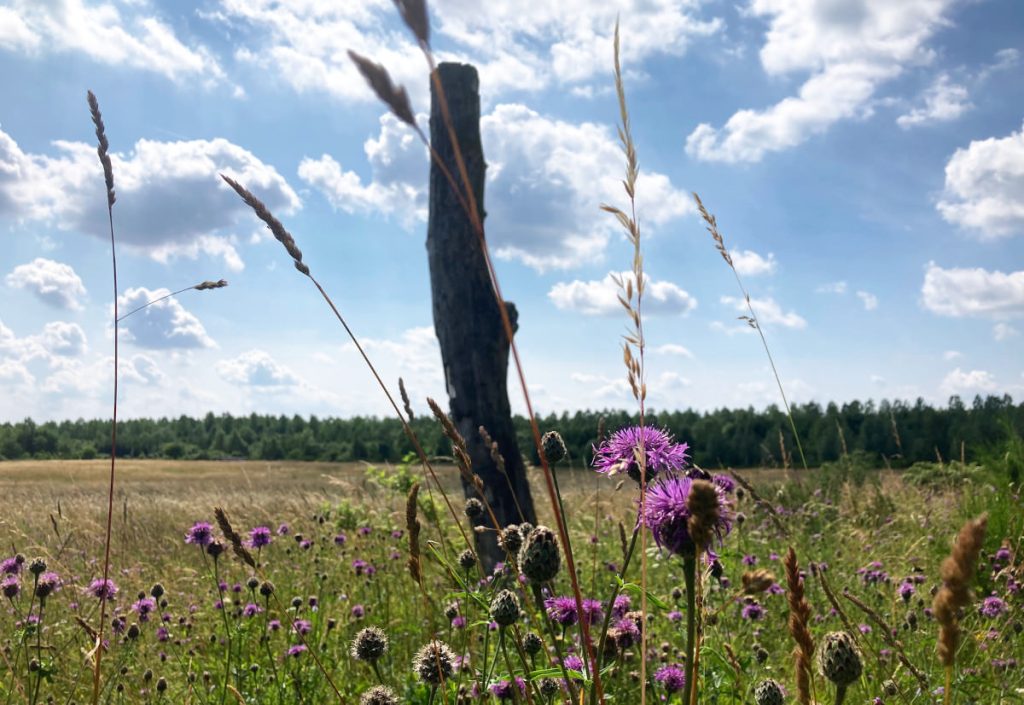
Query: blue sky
(865,160)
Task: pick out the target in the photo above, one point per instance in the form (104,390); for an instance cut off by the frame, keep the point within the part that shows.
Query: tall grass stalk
(751,318)
(102,150)
(201,286)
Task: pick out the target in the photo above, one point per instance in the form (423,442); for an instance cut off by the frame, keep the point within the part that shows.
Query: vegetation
(890,433)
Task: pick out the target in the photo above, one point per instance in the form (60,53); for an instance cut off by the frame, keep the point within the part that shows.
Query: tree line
(894,433)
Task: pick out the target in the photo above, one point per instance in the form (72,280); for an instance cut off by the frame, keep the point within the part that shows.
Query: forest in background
(895,434)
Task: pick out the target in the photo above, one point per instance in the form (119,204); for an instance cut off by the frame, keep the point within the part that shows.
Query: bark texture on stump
(474,348)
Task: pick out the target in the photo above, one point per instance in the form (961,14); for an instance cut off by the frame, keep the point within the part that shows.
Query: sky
(864,159)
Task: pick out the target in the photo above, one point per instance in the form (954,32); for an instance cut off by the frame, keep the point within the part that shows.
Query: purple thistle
(11,587)
(201,534)
(144,607)
(283,530)
(103,589)
(10,566)
(296,650)
(992,607)
(672,678)
(458,622)
(502,690)
(593,610)
(666,514)
(302,626)
(251,610)
(573,662)
(358,611)
(621,606)
(340,539)
(47,584)
(620,452)
(259,537)
(752,611)
(562,610)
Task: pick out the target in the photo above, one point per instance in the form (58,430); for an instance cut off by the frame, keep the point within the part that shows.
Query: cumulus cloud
(124,35)
(58,341)
(973,382)
(152,181)
(256,368)
(600,297)
(163,325)
(749,263)
(833,288)
(869,300)
(848,48)
(564,43)
(53,282)
(977,292)
(768,311)
(952,355)
(546,180)
(943,101)
(672,349)
(984,189)
(62,338)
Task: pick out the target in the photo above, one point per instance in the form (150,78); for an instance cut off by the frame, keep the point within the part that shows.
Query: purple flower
(1002,555)
(573,662)
(283,530)
(302,626)
(906,590)
(674,616)
(397,534)
(749,560)
(672,677)
(593,610)
(260,537)
(502,690)
(621,606)
(144,607)
(992,607)
(752,611)
(666,514)
(358,611)
(273,625)
(365,530)
(620,452)
(10,587)
(162,634)
(458,622)
(10,566)
(562,610)
(727,484)
(864,628)
(340,539)
(296,650)
(103,589)
(201,534)
(251,610)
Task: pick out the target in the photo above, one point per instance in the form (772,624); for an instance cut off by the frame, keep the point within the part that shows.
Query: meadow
(337,559)
(646,578)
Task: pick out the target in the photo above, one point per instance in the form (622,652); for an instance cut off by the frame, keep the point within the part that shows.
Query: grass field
(213,629)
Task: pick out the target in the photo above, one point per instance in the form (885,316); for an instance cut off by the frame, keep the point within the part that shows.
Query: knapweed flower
(369,645)
(752,611)
(992,607)
(769,692)
(378,695)
(297,650)
(144,607)
(433,663)
(906,590)
(672,678)
(539,558)
(620,453)
(47,584)
(502,690)
(358,611)
(505,608)
(201,534)
(103,589)
(340,539)
(621,606)
(302,626)
(251,610)
(11,587)
(259,537)
(11,566)
(562,610)
(667,516)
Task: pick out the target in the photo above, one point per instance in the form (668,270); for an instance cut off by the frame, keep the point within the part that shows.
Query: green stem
(611,603)
(690,576)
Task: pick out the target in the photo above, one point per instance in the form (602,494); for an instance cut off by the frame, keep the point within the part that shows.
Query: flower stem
(690,576)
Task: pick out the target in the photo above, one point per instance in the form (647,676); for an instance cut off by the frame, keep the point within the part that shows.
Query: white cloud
(14,372)
(833,288)
(53,282)
(672,349)
(564,43)
(985,187)
(152,182)
(749,263)
(943,101)
(546,179)
(118,36)
(1004,331)
(398,183)
(973,382)
(768,311)
(869,300)
(415,356)
(64,339)
(600,297)
(163,325)
(952,355)
(978,292)
(58,341)
(848,48)
(256,368)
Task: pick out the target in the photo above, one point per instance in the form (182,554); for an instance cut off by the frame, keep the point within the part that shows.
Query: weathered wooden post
(474,347)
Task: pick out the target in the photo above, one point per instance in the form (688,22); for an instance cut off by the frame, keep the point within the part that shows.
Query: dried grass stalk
(103,147)
(957,572)
(414,14)
(232,536)
(391,95)
(405,399)
(273,224)
(703,505)
(799,618)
